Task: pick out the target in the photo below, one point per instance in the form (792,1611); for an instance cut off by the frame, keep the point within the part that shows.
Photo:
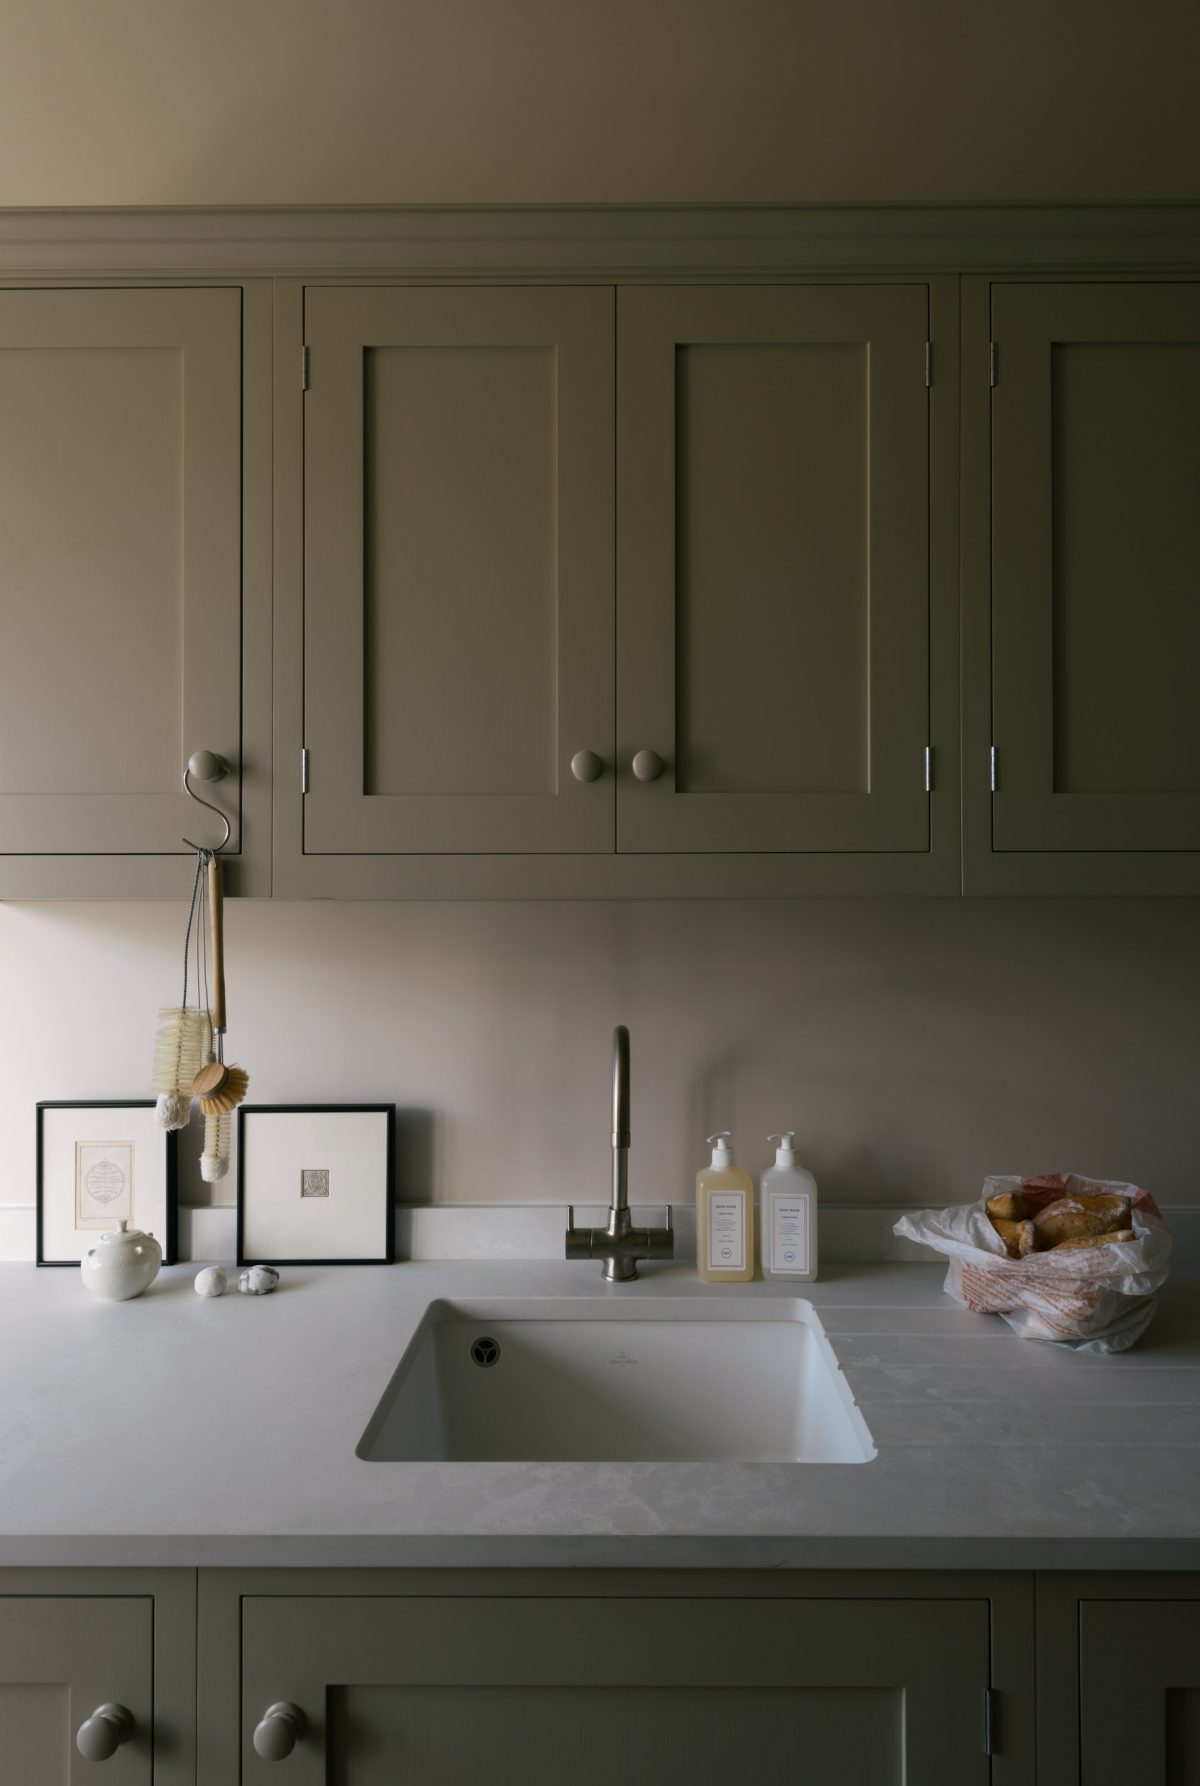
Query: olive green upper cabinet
(1093,565)
(458,547)
(121,572)
(773,568)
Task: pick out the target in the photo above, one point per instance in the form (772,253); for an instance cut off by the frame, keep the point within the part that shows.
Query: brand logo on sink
(623,1359)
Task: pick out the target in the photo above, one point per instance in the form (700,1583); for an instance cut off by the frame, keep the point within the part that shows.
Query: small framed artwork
(99,1164)
(315,1184)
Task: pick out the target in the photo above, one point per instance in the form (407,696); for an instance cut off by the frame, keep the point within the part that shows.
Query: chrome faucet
(619,1245)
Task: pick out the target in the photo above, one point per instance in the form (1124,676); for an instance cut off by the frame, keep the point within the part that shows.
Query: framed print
(99,1164)
(315,1184)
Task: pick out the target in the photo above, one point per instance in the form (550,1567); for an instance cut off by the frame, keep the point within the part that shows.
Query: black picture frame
(388,1254)
(170,1244)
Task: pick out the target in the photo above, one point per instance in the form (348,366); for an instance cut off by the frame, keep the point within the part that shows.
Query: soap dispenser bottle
(724,1218)
(789,1216)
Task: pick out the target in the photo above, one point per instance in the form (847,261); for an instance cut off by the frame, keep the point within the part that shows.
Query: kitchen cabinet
(773,568)
(715,552)
(122,563)
(458,599)
(533,1676)
(1118,1680)
(97,1666)
(770,707)
(1088,556)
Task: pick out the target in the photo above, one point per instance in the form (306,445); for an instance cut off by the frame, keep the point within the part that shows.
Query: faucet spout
(619,1245)
(620,1126)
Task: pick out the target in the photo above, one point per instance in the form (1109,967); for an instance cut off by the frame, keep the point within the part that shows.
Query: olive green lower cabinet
(696,1680)
(97,1667)
(1118,1680)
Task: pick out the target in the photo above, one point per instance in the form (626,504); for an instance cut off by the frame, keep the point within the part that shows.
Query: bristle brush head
(229,1094)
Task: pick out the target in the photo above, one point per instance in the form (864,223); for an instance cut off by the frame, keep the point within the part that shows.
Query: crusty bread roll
(1075,1218)
(1010,1206)
(1066,1246)
(1018,1237)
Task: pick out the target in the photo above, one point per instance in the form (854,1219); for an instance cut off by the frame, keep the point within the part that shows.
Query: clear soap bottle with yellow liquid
(724,1218)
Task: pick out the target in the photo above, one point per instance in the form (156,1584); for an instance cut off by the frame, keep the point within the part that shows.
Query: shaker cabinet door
(1095,567)
(120,565)
(61,1661)
(532,1692)
(773,568)
(1139,1687)
(458,601)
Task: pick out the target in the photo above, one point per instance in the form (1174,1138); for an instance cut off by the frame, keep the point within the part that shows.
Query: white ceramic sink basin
(681,1379)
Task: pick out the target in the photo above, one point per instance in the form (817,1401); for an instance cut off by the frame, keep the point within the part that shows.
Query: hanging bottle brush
(219,1087)
(184,1038)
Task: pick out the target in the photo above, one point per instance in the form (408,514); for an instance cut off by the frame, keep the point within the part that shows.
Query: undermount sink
(682,1379)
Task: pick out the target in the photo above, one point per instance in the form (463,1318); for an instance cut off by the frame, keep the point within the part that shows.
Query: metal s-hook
(206,766)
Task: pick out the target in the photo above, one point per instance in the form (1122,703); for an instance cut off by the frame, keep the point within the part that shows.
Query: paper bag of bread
(1079,1261)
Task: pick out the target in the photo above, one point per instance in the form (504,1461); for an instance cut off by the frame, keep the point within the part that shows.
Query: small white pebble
(260,1280)
(211,1281)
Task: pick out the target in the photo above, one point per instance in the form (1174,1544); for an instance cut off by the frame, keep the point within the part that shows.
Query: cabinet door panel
(1095,423)
(458,569)
(60,1659)
(1149,1730)
(535,1691)
(773,582)
(120,563)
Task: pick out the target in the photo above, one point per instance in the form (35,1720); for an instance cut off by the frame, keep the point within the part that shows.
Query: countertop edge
(1006,1555)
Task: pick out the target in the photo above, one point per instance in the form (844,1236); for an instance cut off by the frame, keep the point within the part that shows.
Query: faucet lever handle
(668,1223)
(570,1218)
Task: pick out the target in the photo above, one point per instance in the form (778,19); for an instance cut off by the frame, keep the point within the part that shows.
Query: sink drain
(484,1351)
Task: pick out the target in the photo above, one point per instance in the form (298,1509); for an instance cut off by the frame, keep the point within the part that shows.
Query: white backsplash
(913,1044)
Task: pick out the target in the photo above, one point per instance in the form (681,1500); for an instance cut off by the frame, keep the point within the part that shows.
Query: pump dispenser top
(785,1154)
(722,1153)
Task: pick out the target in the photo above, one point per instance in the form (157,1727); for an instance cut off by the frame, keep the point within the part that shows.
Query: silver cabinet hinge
(991,362)
(928,363)
(989,1720)
(992,766)
(929,768)
(304,770)
(304,368)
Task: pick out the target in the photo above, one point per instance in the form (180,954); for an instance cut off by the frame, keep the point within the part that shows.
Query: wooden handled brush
(219,1088)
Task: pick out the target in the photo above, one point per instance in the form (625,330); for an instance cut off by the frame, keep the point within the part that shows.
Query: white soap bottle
(789,1216)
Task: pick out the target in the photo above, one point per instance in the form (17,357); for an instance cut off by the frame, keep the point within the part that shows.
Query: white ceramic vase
(121,1264)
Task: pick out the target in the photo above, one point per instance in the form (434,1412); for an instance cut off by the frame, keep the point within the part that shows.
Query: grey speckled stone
(993,1452)
(258,1280)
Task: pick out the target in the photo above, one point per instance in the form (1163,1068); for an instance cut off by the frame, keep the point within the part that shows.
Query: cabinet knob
(102,1734)
(206,765)
(587,766)
(278,1731)
(648,765)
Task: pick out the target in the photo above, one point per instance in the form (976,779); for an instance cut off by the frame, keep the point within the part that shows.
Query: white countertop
(178,1431)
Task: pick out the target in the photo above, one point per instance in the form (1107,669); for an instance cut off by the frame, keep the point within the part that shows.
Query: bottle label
(789,1232)
(727,1230)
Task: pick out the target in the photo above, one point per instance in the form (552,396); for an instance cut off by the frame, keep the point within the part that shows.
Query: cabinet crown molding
(590,242)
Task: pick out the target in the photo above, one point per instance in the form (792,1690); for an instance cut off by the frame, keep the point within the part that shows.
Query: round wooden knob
(278,1731)
(206,765)
(102,1734)
(587,766)
(648,765)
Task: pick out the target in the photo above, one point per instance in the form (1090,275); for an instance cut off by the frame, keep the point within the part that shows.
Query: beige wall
(914,1045)
(116,102)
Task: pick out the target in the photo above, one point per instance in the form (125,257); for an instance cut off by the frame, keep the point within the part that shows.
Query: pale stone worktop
(177,1431)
